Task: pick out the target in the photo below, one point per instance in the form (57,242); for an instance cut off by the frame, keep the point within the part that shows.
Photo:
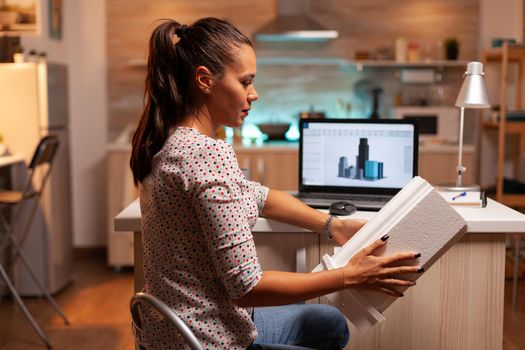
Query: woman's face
(232,96)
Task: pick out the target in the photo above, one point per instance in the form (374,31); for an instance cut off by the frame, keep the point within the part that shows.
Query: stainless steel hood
(294,23)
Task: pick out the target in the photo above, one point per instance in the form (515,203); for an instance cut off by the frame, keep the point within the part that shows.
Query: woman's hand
(366,270)
(343,230)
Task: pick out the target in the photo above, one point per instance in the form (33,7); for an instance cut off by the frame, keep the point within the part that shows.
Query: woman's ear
(204,79)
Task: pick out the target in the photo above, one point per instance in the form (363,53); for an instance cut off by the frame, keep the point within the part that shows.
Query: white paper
(467,198)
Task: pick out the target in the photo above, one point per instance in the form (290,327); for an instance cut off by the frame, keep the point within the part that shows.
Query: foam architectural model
(417,219)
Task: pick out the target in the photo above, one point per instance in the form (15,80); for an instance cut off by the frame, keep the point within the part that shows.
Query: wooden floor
(96,303)
(97,306)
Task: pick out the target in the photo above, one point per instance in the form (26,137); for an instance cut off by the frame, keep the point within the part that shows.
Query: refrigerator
(34,103)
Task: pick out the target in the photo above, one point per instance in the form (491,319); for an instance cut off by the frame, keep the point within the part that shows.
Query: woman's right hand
(365,270)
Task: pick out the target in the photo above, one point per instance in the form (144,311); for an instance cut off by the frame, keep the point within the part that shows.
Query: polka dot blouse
(198,210)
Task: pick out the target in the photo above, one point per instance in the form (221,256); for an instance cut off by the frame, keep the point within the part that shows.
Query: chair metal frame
(42,159)
(136,320)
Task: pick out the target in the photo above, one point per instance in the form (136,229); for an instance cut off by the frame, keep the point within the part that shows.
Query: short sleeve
(218,199)
(261,193)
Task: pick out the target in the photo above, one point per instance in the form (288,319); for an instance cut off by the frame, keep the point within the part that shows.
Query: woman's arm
(282,288)
(364,270)
(283,207)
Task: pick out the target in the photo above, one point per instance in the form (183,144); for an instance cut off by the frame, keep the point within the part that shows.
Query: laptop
(362,161)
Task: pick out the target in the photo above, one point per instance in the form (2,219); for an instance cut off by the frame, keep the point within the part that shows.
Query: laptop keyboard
(346,197)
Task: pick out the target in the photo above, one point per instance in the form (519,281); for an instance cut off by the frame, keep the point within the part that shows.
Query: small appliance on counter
(437,124)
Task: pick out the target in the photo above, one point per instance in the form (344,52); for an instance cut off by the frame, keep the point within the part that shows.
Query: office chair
(139,300)
(13,238)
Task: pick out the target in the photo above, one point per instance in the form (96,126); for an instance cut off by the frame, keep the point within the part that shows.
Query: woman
(198,208)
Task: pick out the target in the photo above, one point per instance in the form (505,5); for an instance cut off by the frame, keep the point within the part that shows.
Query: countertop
(279,146)
(11,159)
(495,218)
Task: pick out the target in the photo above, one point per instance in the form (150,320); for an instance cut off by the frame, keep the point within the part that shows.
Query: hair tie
(181,30)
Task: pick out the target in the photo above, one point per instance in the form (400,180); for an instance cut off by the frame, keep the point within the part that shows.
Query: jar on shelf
(401,50)
(413,52)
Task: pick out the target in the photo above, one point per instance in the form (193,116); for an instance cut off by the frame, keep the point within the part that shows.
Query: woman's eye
(248,82)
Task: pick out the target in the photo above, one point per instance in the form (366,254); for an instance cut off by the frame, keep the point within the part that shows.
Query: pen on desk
(462,194)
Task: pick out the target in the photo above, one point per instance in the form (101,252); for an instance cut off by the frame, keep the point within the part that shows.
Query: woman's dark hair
(170,92)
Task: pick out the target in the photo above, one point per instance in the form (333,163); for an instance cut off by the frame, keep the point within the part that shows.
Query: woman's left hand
(343,230)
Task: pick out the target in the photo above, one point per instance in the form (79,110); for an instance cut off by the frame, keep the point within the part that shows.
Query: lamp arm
(460,168)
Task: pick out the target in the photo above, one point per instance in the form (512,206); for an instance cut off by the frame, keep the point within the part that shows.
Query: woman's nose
(253,96)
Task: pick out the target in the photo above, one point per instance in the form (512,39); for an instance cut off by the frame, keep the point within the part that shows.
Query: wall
(129,27)
(56,50)
(87,57)
(82,48)
(362,25)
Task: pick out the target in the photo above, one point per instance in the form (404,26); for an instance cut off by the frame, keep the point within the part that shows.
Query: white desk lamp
(473,94)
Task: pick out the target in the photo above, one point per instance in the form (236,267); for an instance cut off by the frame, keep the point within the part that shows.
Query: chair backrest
(45,151)
(44,154)
(141,298)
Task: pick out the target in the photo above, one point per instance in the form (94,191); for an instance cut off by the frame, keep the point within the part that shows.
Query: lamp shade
(473,93)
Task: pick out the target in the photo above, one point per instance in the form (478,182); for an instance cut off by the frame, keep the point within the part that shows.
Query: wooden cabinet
(120,193)
(276,166)
(505,56)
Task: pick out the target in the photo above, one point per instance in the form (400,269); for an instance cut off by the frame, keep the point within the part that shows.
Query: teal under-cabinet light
(293,133)
(251,133)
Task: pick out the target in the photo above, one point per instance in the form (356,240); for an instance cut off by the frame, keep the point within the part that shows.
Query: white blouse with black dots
(198,210)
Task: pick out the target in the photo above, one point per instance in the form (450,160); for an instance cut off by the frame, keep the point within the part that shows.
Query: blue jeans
(300,326)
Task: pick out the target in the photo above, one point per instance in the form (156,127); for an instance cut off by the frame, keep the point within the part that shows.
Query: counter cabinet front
(456,304)
(276,166)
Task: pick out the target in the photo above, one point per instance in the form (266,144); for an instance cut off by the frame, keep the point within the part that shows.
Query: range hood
(294,23)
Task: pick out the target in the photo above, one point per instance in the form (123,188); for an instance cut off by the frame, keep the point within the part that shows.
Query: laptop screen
(357,155)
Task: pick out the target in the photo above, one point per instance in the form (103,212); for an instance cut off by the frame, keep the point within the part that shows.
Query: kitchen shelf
(283,60)
(333,61)
(511,126)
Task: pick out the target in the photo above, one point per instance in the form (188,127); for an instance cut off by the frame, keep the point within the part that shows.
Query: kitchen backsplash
(286,88)
(341,91)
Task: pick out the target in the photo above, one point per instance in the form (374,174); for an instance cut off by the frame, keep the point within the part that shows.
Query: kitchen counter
(495,217)
(11,160)
(294,145)
(457,303)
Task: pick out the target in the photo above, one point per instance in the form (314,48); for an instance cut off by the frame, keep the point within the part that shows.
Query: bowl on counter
(275,131)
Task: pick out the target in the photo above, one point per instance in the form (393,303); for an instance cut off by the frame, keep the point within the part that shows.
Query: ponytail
(161,98)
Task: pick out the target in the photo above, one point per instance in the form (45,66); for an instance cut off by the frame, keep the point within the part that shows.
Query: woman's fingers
(396,282)
(398,270)
(392,258)
(374,245)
